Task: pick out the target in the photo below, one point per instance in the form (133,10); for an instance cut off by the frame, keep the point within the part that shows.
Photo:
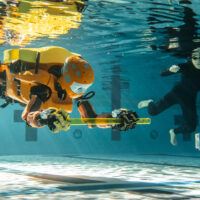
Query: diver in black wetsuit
(184,94)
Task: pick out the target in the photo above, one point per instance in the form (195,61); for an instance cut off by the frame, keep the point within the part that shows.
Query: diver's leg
(171,98)
(188,106)
(163,104)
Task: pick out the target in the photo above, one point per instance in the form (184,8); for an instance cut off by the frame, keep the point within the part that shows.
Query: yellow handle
(104,121)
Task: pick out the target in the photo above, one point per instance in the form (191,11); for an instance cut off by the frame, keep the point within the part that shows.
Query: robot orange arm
(32,119)
(32,110)
(128,117)
(87,111)
(29,106)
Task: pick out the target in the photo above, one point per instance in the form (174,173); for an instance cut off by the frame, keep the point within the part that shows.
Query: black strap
(3,85)
(42,91)
(7,102)
(55,70)
(62,94)
(3,75)
(37,62)
(87,96)
(7,99)
(18,86)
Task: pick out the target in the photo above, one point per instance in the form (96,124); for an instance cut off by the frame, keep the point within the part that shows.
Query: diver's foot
(173,140)
(144,103)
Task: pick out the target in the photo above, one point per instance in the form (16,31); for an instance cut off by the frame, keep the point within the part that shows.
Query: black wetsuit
(184,94)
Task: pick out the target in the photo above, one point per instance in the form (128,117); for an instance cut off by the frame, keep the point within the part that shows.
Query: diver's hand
(129,119)
(57,120)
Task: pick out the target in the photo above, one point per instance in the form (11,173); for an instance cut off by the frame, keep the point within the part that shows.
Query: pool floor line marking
(132,161)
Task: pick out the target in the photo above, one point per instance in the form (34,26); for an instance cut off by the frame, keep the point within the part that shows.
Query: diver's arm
(172,70)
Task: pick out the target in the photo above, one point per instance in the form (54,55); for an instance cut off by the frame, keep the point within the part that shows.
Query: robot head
(77,76)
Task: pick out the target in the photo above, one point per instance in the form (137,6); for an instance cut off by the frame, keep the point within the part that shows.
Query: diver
(38,79)
(184,93)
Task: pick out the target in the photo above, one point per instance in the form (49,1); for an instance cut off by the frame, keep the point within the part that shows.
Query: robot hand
(129,119)
(57,120)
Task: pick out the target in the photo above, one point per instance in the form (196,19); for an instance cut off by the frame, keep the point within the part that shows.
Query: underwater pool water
(128,43)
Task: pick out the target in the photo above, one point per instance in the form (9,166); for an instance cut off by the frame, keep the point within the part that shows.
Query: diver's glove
(129,119)
(57,120)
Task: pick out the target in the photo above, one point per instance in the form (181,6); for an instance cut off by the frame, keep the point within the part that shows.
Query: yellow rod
(104,121)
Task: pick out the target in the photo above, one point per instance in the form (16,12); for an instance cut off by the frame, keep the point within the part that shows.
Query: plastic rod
(104,121)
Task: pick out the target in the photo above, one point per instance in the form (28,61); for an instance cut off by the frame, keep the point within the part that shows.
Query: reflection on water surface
(25,21)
